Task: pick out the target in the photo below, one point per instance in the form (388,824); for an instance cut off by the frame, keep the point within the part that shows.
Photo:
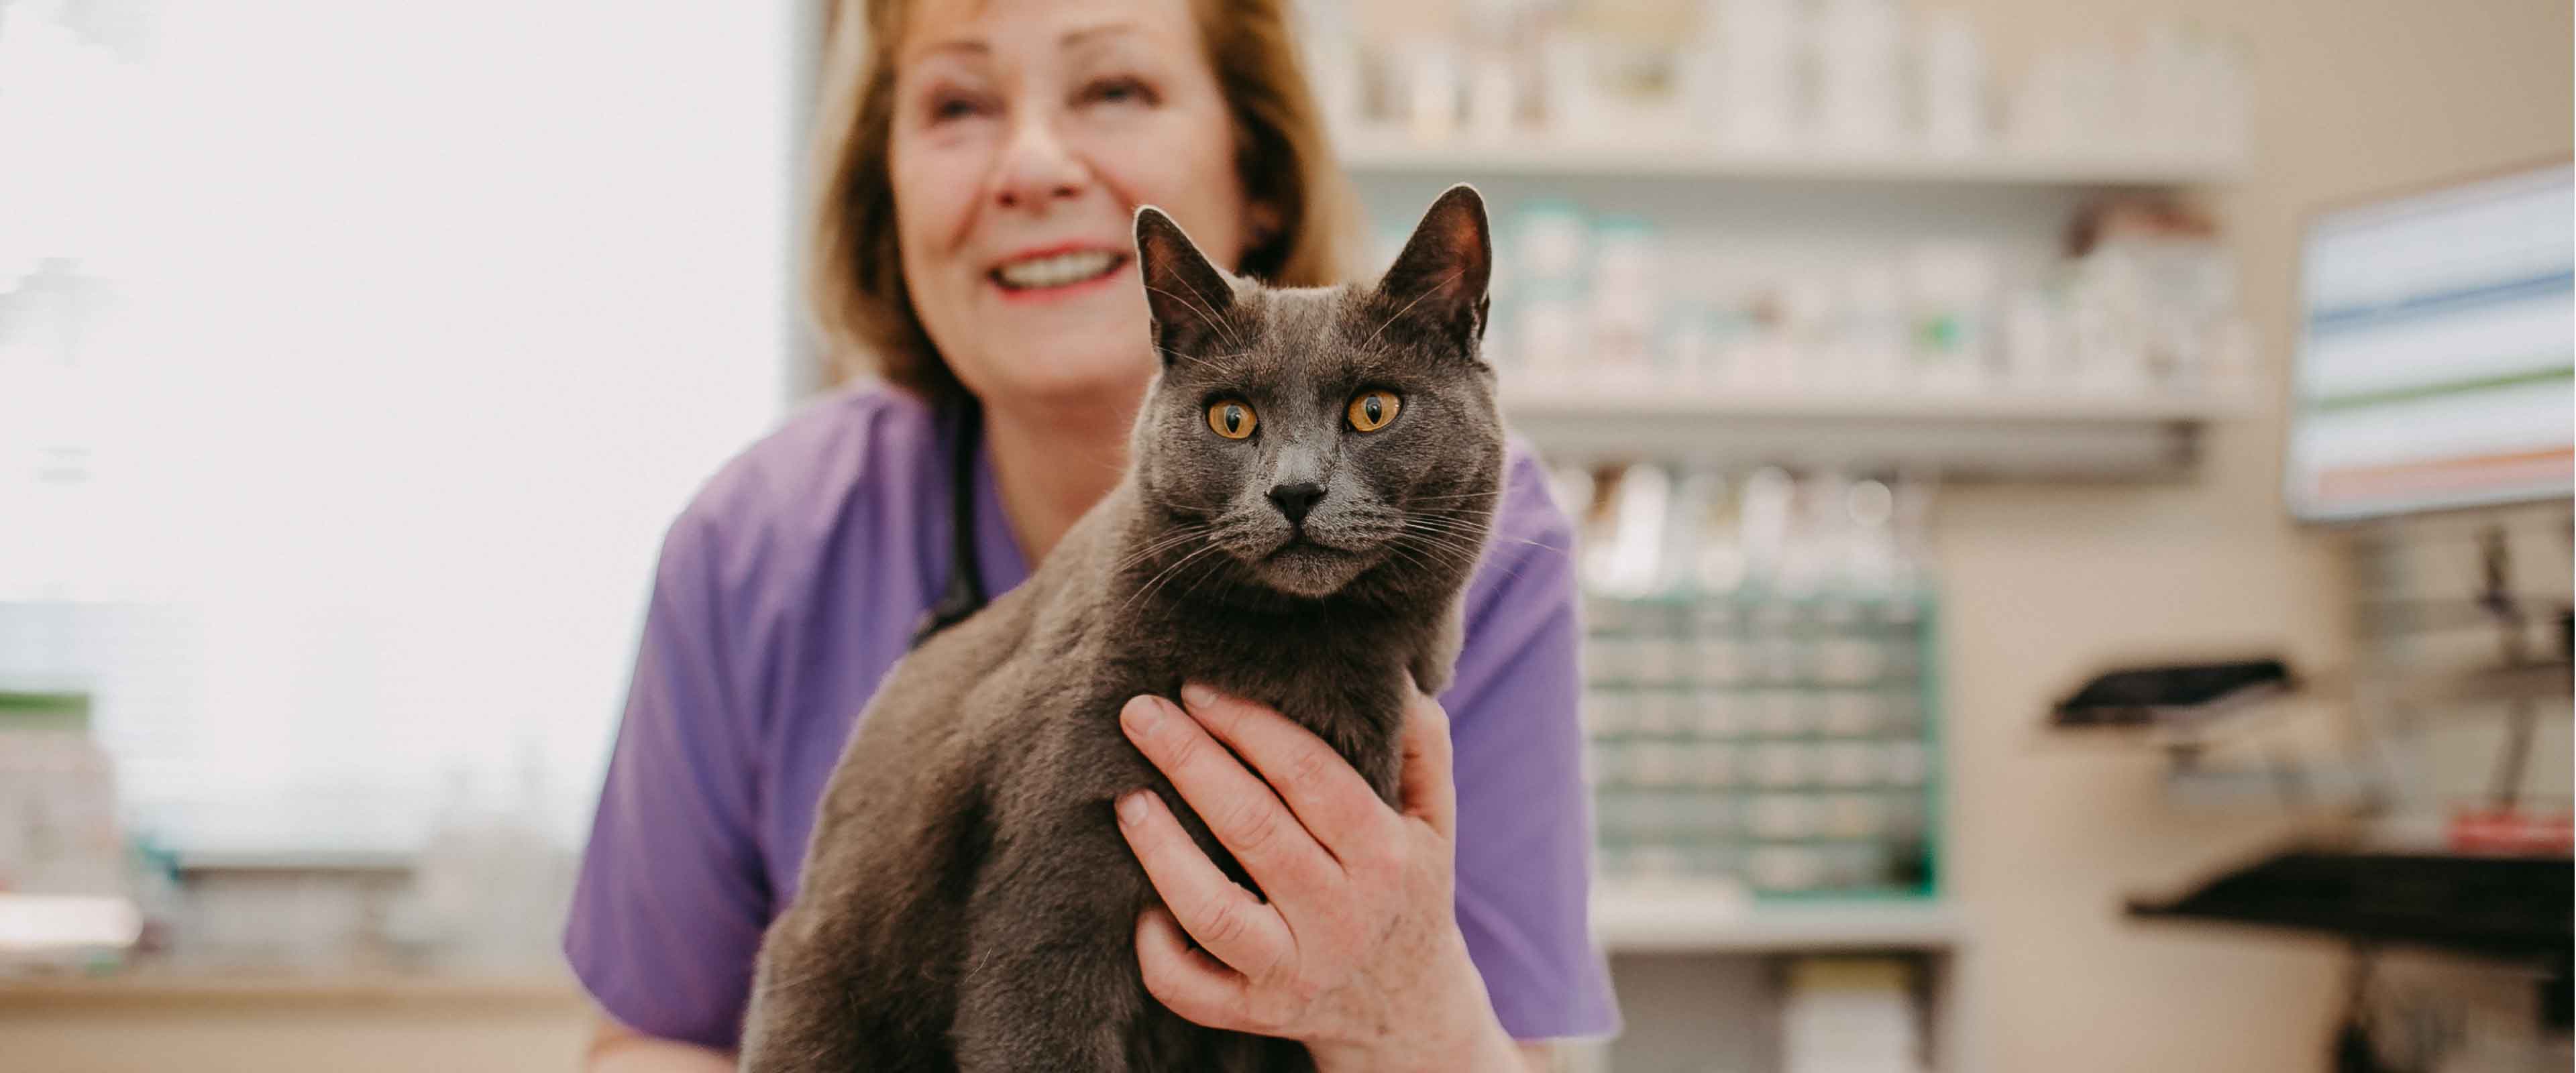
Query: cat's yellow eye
(1371,410)
(1231,419)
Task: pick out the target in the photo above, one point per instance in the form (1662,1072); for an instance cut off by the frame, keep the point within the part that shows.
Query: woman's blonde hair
(854,271)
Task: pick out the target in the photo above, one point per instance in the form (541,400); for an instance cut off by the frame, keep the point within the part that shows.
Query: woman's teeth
(1056,270)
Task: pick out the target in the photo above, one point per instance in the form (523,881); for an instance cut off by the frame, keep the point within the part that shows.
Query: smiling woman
(981,168)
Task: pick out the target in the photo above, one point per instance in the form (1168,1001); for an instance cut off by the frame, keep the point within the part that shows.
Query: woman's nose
(1038,168)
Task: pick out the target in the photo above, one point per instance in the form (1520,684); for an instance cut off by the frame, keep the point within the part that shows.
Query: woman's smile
(1059,271)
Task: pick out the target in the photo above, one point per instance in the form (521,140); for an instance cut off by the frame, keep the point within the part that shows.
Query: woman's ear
(1187,297)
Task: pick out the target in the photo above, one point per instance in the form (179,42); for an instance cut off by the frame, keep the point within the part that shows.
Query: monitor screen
(2433,369)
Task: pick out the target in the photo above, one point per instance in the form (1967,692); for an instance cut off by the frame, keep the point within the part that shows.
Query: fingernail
(1141,714)
(1198,696)
(1131,808)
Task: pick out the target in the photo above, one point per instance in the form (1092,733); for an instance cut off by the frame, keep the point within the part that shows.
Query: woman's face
(1025,134)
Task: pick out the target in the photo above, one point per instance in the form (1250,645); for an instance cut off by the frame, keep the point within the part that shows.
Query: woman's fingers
(1327,795)
(1430,790)
(1228,920)
(1188,981)
(1242,812)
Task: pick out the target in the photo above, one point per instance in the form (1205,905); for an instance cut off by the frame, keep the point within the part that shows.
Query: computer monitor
(2435,346)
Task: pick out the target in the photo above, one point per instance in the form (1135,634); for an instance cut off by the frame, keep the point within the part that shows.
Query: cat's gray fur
(967,901)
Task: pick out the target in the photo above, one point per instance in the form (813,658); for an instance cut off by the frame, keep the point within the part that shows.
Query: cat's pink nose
(1294,500)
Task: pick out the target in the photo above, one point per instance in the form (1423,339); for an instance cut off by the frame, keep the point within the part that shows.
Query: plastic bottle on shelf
(1870,556)
(1554,242)
(1796,357)
(1493,98)
(2098,114)
(2106,326)
(2035,110)
(1551,249)
(2159,91)
(1952,286)
(1819,526)
(1432,88)
(1873,343)
(1764,521)
(1759,45)
(1717,554)
(1625,299)
(1332,61)
(1632,563)
(1566,94)
(2035,350)
(1859,105)
(2189,94)
(1952,90)
(1699,496)
(1849,1014)
(1910,528)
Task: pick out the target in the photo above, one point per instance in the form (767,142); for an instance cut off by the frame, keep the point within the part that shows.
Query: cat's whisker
(1206,315)
(1433,540)
(1447,527)
(1211,304)
(1408,306)
(1398,551)
(1176,538)
(1202,578)
(1486,532)
(1487,549)
(1209,361)
(1436,540)
(1163,577)
(1176,575)
(1464,523)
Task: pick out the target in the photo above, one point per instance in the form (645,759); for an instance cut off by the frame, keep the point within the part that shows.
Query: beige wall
(2045,584)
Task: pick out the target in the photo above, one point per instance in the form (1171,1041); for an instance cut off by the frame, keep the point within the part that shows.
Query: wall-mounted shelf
(1394,152)
(2009,434)
(1633,918)
(165,987)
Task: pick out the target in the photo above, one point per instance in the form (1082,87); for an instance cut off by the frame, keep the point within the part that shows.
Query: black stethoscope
(963,593)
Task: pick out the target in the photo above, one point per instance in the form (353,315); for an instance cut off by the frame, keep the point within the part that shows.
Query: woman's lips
(1056,273)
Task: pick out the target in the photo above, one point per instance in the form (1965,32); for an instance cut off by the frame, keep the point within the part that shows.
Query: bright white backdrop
(353,358)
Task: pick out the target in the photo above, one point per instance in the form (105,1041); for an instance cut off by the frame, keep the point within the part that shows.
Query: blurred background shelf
(1635,918)
(1538,400)
(2014,434)
(166,986)
(1394,153)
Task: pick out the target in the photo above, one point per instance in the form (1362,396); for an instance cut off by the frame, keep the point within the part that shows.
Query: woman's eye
(1231,419)
(1371,410)
(1117,91)
(951,107)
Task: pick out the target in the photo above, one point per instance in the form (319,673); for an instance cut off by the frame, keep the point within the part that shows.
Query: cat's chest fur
(1087,637)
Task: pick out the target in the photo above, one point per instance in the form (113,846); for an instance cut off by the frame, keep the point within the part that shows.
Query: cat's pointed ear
(1439,280)
(1188,297)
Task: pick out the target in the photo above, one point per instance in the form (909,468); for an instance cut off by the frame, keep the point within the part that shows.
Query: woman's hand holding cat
(1356,950)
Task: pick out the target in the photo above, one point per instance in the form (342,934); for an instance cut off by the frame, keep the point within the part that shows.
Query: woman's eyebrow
(1086,34)
(962,47)
(979,48)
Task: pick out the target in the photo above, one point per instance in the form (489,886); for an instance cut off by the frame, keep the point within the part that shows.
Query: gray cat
(1314,472)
